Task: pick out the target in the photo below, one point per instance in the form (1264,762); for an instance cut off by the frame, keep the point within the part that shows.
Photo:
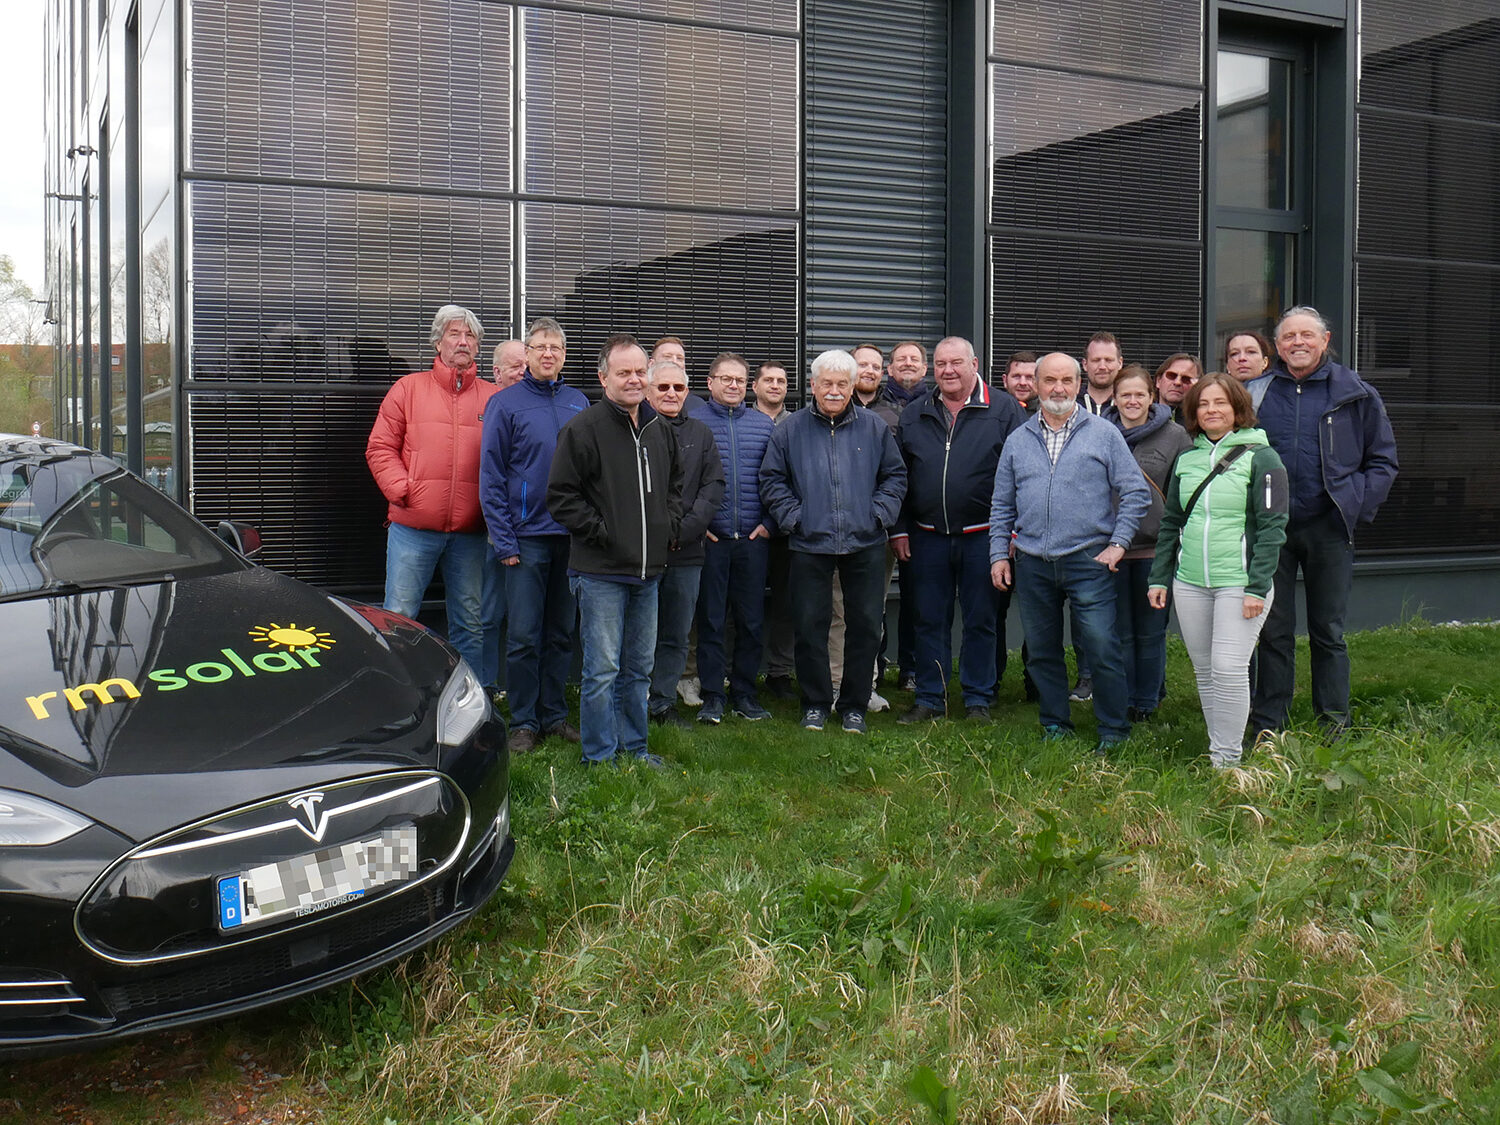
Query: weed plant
(962,923)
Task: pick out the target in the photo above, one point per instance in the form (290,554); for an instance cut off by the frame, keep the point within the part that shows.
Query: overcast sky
(21,139)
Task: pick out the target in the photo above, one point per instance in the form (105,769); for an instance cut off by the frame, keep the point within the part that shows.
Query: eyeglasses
(731,381)
(675,388)
(1174,377)
(546,348)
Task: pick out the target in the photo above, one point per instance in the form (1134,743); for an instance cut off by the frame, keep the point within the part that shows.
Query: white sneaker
(690,692)
(878,702)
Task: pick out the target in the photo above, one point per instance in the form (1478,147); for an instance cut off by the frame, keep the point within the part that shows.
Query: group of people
(731,532)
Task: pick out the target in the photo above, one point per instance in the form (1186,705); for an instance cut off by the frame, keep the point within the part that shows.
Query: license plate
(317,881)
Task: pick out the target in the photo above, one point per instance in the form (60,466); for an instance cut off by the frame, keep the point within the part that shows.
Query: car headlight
(462,707)
(31,822)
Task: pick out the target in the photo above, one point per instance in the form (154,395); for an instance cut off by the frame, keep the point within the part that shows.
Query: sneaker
(563,730)
(649,760)
(878,702)
(907,681)
(920,714)
(1056,734)
(780,687)
(671,717)
(712,711)
(1105,746)
(522,740)
(1139,714)
(1082,691)
(854,723)
(814,718)
(977,711)
(690,691)
(750,709)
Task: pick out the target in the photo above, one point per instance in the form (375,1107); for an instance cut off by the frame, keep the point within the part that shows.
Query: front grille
(24,993)
(248,971)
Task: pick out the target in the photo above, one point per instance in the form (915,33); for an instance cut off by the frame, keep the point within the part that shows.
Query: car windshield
(78,520)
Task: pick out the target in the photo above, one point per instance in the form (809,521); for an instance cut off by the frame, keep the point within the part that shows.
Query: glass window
(709,120)
(1254,118)
(1254,270)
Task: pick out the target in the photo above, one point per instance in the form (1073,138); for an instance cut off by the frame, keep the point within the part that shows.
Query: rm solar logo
(295,648)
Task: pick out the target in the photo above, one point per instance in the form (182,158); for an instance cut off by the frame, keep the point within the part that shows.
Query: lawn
(957,923)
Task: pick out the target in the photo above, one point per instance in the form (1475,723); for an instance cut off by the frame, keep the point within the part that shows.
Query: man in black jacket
(951,442)
(616,485)
(702,490)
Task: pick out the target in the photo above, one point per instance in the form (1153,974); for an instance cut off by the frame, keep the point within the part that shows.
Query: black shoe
(907,681)
(671,717)
(1082,691)
(712,710)
(814,718)
(522,740)
(563,730)
(977,711)
(748,708)
(1137,715)
(854,723)
(780,687)
(920,714)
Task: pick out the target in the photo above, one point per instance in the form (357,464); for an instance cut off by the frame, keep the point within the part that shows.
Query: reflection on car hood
(219,676)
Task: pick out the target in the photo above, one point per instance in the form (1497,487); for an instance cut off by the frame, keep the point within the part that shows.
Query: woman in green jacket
(1219,542)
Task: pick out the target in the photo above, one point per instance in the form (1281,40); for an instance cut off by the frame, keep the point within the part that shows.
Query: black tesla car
(219,787)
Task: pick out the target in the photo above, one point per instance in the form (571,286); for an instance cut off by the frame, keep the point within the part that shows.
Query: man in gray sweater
(1072,494)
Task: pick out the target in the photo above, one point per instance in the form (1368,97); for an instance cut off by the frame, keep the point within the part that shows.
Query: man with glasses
(702,489)
(1177,373)
(520,438)
(737,547)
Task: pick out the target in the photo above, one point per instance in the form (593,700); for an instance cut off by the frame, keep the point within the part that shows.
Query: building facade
(255,209)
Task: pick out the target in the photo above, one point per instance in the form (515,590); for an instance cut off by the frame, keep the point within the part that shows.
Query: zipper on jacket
(643,483)
(734,459)
(833,479)
(947,448)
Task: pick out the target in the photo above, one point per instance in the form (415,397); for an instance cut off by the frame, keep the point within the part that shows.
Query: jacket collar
(723,411)
(897,394)
(644,412)
(447,378)
(842,420)
(541,386)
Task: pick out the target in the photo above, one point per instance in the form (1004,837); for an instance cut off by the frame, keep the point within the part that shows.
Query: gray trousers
(1220,639)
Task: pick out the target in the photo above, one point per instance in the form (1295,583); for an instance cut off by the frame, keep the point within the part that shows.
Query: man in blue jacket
(951,442)
(1069,489)
(515,457)
(737,548)
(1332,433)
(833,478)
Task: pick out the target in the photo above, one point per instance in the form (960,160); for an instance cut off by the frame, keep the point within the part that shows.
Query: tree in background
(25,355)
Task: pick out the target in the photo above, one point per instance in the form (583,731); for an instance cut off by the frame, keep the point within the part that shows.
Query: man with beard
(1069,489)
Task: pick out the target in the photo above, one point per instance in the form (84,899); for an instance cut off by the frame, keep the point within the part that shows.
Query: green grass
(958,923)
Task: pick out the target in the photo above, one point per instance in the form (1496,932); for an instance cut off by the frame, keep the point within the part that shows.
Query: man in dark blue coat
(951,441)
(1333,435)
(834,479)
(737,548)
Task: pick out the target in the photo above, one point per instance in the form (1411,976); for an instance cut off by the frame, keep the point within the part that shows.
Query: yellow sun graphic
(291,636)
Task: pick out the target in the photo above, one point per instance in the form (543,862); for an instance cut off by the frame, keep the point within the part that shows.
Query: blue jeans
(676,601)
(1042,586)
(539,646)
(945,569)
(1143,634)
(493,616)
(617,625)
(734,582)
(1322,550)
(412,555)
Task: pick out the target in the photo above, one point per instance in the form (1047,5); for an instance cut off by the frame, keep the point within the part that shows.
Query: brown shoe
(563,730)
(522,740)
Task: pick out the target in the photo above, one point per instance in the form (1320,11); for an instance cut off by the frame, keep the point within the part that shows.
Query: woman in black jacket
(1155,440)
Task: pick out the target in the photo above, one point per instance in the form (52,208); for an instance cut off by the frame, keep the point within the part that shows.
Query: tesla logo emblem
(312,820)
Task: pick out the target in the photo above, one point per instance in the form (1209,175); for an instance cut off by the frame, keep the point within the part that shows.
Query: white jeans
(1220,640)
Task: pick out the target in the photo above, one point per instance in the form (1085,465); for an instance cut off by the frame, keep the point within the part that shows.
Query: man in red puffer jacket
(424,454)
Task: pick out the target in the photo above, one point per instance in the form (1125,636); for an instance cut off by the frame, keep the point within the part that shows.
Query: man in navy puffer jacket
(737,546)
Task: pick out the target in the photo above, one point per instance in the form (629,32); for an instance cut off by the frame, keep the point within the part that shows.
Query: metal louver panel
(876,171)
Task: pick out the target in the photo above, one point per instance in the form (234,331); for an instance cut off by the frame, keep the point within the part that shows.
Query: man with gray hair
(424,454)
(520,437)
(1069,488)
(833,479)
(509,364)
(1332,433)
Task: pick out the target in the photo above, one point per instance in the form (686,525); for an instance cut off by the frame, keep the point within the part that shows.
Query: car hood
(152,705)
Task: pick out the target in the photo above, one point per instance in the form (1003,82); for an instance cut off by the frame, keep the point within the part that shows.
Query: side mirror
(244,538)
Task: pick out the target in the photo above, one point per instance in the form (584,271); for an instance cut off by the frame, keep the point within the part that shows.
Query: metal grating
(877,205)
(293,464)
(1161,39)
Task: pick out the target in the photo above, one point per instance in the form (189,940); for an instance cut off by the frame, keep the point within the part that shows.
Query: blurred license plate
(319,880)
